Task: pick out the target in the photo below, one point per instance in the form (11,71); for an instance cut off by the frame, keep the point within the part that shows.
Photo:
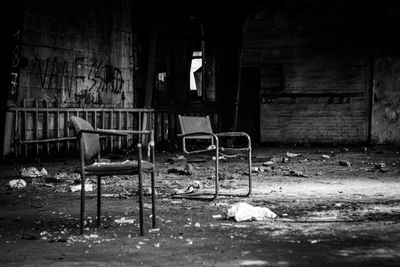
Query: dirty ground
(336,206)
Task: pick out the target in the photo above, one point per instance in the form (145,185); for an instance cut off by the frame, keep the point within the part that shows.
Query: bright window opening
(196,72)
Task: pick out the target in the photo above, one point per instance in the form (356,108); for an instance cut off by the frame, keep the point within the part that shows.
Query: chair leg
(153,199)
(216,173)
(82,221)
(139,146)
(249,162)
(153,180)
(98,200)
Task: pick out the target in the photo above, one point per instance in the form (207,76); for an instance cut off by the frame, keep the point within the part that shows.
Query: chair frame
(214,137)
(84,173)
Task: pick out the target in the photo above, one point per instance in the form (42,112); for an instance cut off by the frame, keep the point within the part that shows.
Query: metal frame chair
(195,127)
(89,146)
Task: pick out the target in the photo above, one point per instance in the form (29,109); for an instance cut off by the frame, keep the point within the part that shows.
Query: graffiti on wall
(86,81)
(15,67)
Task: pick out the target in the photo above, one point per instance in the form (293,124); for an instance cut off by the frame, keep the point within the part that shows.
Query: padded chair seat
(115,168)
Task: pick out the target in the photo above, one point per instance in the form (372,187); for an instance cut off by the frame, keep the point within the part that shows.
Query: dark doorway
(249,103)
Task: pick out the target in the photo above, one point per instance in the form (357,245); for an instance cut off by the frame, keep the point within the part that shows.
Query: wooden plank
(95,119)
(140,122)
(46,127)
(35,126)
(119,128)
(57,126)
(126,128)
(112,127)
(24,129)
(66,128)
(31,121)
(16,134)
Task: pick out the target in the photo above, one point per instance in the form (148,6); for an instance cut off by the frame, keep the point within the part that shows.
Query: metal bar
(47,140)
(139,147)
(153,180)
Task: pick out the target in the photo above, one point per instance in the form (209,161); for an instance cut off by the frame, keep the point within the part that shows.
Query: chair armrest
(233,134)
(211,135)
(236,134)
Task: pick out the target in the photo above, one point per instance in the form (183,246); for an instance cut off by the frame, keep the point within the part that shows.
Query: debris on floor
(381,167)
(32,172)
(78,187)
(192,188)
(176,159)
(344,163)
(124,220)
(292,155)
(17,184)
(29,236)
(245,212)
(295,173)
(268,163)
(63,177)
(147,191)
(187,170)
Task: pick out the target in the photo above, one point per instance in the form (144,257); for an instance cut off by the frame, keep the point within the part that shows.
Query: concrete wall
(386,108)
(386,95)
(78,53)
(314,70)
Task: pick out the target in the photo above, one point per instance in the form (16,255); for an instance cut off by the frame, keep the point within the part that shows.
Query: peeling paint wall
(78,53)
(386,108)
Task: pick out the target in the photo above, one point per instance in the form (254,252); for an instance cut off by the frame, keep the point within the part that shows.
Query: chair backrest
(91,142)
(192,124)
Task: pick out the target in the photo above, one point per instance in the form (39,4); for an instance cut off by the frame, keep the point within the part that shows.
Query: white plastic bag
(245,212)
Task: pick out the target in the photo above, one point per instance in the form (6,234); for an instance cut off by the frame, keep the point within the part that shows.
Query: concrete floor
(328,214)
